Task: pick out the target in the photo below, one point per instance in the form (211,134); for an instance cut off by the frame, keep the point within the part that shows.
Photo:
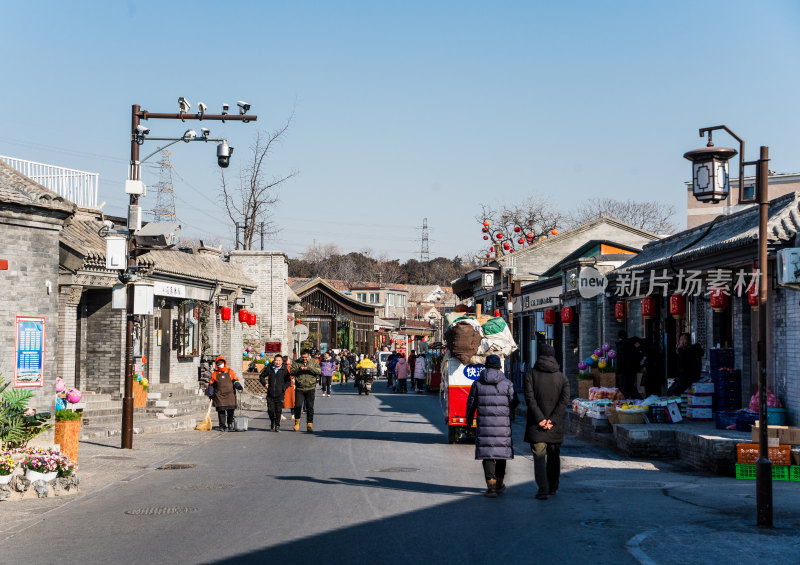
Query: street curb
(68,505)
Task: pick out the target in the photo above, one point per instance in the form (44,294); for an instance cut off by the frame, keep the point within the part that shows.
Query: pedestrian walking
(402,371)
(225,386)
(546,396)
(352,360)
(277,380)
(492,398)
(327,366)
(344,366)
(305,372)
(288,400)
(419,373)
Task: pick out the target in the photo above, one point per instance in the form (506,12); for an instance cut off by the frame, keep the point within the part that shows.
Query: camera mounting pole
(137,115)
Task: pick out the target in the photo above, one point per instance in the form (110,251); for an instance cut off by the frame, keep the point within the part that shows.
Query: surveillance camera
(189,135)
(184,104)
(225,107)
(205,131)
(141,130)
(108,224)
(224,152)
(201,108)
(243,107)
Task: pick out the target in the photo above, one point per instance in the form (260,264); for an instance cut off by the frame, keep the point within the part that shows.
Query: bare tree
(251,204)
(655,217)
(511,227)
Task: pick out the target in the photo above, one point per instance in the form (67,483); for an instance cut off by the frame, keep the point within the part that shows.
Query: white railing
(76,186)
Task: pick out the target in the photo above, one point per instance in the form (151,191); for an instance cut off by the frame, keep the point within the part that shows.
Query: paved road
(377,483)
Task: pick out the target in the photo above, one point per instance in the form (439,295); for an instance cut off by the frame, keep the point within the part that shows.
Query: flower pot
(34,476)
(5,479)
(605,380)
(67,435)
(139,396)
(583,388)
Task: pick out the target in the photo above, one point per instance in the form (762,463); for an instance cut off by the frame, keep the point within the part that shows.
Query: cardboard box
(772,432)
(789,435)
(700,413)
(702,400)
(702,387)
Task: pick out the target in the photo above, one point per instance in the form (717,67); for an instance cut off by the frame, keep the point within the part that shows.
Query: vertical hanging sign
(29,352)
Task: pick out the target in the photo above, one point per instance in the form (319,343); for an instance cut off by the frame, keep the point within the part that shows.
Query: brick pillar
(68,299)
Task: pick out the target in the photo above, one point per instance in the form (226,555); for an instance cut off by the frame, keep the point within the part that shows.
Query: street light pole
(710,184)
(763,464)
(137,115)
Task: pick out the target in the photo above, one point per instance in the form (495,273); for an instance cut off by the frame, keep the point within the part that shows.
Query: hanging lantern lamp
(677,306)
(225,314)
(549,317)
(567,314)
(648,307)
(619,311)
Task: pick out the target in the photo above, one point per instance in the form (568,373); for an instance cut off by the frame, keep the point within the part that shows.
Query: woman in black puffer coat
(492,397)
(546,395)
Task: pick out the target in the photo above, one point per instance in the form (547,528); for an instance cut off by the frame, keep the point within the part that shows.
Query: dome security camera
(224,152)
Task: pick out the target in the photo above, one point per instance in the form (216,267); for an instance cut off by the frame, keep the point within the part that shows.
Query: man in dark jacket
(546,395)
(492,397)
(277,380)
(305,371)
(689,365)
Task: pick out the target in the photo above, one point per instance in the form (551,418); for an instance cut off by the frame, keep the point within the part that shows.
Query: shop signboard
(29,352)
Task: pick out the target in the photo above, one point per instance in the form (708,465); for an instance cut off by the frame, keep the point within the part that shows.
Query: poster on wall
(29,352)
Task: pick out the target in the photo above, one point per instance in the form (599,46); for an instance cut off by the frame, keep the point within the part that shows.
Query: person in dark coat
(225,384)
(628,367)
(653,375)
(492,397)
(546,396)
(277,380)
(689,365)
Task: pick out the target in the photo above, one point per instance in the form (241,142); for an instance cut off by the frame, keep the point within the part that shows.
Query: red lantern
(488,256)
(297,322)
(619,311)
(648,307)
(753,297)
(549,316)
(225,313)
(391,341)
(719,300)
(506,246)
(491,249)
(499,236)
(243,315)
(677,306)
(251,319)
(530,236)
(496,313)
(485,237)
(567,314)
(554,232)
(517,229)
(485,229)
(520,241)
(485,223)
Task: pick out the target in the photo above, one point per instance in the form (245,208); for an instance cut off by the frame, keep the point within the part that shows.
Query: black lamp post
(710,184)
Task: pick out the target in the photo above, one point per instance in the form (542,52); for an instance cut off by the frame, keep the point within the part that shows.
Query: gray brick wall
(791,354)
(270,270)
(31,249)
(105,344)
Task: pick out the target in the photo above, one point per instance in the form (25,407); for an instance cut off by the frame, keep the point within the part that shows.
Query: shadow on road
(386,484)
(407,437)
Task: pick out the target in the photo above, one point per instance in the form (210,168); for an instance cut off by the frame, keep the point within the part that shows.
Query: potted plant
(18,422)
(40,465)
(65,467)
(67,432)
(585,380)
(7,466)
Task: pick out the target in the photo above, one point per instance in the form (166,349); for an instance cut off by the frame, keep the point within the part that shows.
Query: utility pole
(129,277)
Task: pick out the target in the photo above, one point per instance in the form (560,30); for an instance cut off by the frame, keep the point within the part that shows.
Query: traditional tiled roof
(16,188)
(723,234)
(82,236)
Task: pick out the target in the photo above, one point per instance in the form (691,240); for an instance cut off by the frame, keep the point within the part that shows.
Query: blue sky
(404,110)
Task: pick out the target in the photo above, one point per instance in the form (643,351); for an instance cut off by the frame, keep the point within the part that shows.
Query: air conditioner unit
(788,268)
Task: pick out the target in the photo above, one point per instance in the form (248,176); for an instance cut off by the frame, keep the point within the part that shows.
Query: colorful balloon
(612,354)
(598,352)
(589,361)
(606,347)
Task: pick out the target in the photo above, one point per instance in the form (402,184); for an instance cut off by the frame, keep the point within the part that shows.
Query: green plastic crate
(794,473)
(779,472)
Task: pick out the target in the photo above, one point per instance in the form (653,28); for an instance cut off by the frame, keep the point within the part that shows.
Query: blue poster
(29,358)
